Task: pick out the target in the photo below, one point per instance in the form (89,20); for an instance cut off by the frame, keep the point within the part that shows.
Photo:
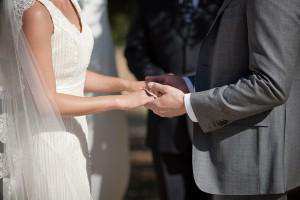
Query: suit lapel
(219,14)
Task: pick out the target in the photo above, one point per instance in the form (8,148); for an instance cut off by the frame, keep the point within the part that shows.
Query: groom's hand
(170,79)
(170,102)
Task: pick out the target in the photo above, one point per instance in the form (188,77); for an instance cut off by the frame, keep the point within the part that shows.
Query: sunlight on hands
(171,80)
(170,101)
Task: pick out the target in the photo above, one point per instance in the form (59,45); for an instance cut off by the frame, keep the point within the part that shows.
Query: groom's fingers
(149,93)
(153,106)
(150,106)
(157,88)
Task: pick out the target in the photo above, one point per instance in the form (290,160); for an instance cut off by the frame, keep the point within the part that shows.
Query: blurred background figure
(165,38)
(108,139)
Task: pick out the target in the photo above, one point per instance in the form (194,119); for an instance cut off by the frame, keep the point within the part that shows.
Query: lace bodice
(71,49)
(20,6)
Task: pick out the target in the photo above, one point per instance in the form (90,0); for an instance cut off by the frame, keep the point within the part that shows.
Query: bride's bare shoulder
(38,16)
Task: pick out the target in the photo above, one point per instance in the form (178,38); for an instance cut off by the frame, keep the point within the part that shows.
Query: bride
(45,48)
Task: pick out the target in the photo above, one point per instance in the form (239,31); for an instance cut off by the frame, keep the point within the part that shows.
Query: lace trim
(3,160)
(3,128)
(3,166)
(3,125)
(20,6)
(3,138)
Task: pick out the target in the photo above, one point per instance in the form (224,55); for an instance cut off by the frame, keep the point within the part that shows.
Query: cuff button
(222,122)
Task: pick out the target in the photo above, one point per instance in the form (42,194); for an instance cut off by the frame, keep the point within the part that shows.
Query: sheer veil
(28,112)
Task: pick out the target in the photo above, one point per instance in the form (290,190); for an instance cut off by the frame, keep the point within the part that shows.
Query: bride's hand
(135,99)
(132,86)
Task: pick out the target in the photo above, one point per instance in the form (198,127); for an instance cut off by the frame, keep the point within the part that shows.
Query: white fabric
(108,132)
(71,51)
(45,154)
(20,6)
(189,108)
(187,99)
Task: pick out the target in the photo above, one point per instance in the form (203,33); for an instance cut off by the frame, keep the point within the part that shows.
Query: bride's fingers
(153,90)
(146,97)
(146,101)
(157,88)
(151,106)
(149,93)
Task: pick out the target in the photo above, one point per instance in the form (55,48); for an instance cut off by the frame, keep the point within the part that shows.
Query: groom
(246,104)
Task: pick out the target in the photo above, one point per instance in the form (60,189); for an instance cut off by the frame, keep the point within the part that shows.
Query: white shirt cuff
(189,84)
(189,108)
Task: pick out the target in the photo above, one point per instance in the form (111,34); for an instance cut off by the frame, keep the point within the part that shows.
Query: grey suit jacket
(248,100)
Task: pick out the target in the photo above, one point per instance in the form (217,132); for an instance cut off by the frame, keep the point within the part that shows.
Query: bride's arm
(69,105)
(106,84)
(38,28)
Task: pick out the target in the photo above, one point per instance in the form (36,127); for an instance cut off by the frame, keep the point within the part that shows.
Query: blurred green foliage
(121,13)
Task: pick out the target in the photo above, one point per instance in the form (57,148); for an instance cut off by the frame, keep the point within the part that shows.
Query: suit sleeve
(138,52)
(274,49)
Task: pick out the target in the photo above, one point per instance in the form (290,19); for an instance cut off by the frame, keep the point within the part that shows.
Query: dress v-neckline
(77,12)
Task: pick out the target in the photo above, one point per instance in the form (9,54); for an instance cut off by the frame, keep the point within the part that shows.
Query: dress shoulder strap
(19,7)
(77,6)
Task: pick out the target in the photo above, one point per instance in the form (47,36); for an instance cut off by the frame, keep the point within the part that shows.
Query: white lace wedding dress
(66,152)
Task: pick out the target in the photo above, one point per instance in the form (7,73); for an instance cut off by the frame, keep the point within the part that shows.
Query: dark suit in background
(165,38)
